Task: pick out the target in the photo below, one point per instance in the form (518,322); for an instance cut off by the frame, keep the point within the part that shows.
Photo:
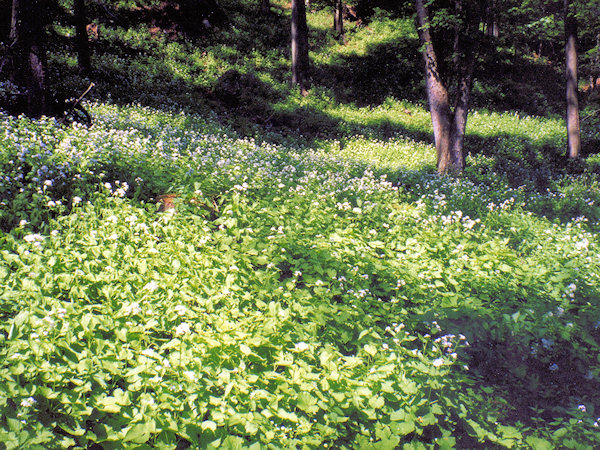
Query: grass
(316,285)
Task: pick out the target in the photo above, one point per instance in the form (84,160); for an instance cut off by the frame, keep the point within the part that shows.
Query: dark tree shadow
(391,69)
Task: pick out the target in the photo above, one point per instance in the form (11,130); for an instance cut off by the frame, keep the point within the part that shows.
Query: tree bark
(573,125)
(338,19)
(491,23)
(81,37)
(28,68)
(300,62)
(448,126)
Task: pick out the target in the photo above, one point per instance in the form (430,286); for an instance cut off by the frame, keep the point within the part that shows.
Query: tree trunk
(28,68)
(595,76)
(491,24)
(461,112)
(81,37)
(573,126)
(338,19)
(448,127)
(300,62)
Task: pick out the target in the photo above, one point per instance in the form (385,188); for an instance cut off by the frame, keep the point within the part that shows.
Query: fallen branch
(82,95)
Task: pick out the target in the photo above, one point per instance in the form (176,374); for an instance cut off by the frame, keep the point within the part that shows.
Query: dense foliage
(316,284)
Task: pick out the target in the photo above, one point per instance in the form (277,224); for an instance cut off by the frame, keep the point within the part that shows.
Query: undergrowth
(316,283)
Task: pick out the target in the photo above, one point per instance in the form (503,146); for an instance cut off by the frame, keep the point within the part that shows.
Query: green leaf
(505,268)
(539,443)
(509,432)
(447,442)
(370,349)
(307,402)
(251,428)
(140,433)
(245,349)
(560,432)
(397,416)
(208,425)
(376,402)
(436,409)
(109,405)
(283,414)
(403,428)
(429,419)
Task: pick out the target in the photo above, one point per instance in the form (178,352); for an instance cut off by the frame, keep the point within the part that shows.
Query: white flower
(76,200)
(132,309)
(23,222)
(438,362)
(151,286)
(28,402)
(149,352)
(119,192)
(301,346)
(182,329)
(190,375)
(48,183)
(180,310)
(113,237)
(141,227)
(582,408)
(33,238)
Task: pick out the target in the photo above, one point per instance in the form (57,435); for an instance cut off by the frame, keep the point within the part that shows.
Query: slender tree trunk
(573,126)
(338,19)
(300,62)
(28,68)
(81,37)
(448,127)
(491,24)
(594,78)
(461,112)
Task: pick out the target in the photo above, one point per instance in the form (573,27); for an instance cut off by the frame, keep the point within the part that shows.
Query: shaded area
(506,83)
(172,17)
(386,70)
(391,69)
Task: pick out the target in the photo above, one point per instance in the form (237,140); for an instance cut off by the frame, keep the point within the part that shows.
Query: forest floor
(316,284)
